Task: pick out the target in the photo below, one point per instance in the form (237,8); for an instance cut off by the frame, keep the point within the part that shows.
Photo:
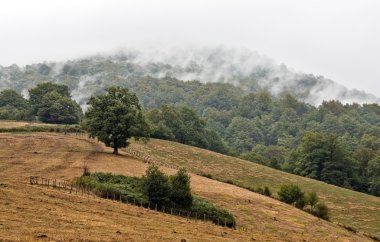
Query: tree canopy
(114,117)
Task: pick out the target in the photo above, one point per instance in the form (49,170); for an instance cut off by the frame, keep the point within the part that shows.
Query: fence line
(86,191)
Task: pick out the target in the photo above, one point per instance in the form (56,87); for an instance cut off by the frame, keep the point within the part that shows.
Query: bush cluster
(292,194)
(154,189)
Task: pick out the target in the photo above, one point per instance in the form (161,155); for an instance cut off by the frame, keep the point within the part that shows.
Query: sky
(339,39)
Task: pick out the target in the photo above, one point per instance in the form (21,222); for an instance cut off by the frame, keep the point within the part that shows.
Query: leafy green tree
(157,187)
(322,157)
(13,99)
(182,124)
(180,189)
(291,194)
(36,94)
(13,106)
(114,117)
(242,134)
(54,108)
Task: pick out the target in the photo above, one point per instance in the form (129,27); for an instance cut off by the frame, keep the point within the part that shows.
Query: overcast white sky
(339,39)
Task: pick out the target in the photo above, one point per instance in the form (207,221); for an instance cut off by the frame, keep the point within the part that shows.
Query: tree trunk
(115,150)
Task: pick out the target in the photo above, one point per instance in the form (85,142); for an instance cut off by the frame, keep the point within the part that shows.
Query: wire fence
(86,191)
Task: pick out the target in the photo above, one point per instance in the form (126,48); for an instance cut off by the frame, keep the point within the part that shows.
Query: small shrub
(321,210)
(157,186)
(216,214)
(207,175)
(230,182)
(311,199)
(260,190)
(292,194)
(180,189)
(267,191)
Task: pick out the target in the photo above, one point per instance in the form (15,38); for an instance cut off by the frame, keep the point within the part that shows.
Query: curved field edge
(352,209)
(62,156)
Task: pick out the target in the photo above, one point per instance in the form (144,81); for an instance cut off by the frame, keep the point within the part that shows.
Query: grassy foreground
(30,213)
(356,210)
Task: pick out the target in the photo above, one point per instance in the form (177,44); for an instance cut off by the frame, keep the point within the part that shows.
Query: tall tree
(114,117)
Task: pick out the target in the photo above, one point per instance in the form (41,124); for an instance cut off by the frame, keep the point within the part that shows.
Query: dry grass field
(357,210)
(16,124)
(38,213)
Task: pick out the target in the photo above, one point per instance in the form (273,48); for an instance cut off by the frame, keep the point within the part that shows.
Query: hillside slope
(28,212)
(353,209)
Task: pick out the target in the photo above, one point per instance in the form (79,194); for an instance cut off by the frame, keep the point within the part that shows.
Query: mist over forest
(242,68)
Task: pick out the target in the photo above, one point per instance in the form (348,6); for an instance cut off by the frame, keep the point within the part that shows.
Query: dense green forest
(333,142)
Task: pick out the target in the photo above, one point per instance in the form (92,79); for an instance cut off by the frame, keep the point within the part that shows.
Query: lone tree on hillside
(114,117)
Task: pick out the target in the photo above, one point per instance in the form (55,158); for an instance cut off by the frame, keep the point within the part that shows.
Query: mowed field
(354,209)
(16,124)
(33,213)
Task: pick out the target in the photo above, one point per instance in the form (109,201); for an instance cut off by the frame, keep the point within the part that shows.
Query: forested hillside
(332,142)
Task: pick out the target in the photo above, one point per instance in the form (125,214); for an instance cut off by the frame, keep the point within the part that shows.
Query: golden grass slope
(354,209)
(16,124)
(29,212)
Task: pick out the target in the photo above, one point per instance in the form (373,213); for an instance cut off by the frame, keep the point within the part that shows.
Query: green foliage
(183,125)
(36,94)
(311,199)
(267,191)
(322,156)
(273,155)
(321,210)
(10,98)
(180,189)
(54,108)
(114,117)
(374,175)
(292,194)
(13,106)
(217,214)
(157,186)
